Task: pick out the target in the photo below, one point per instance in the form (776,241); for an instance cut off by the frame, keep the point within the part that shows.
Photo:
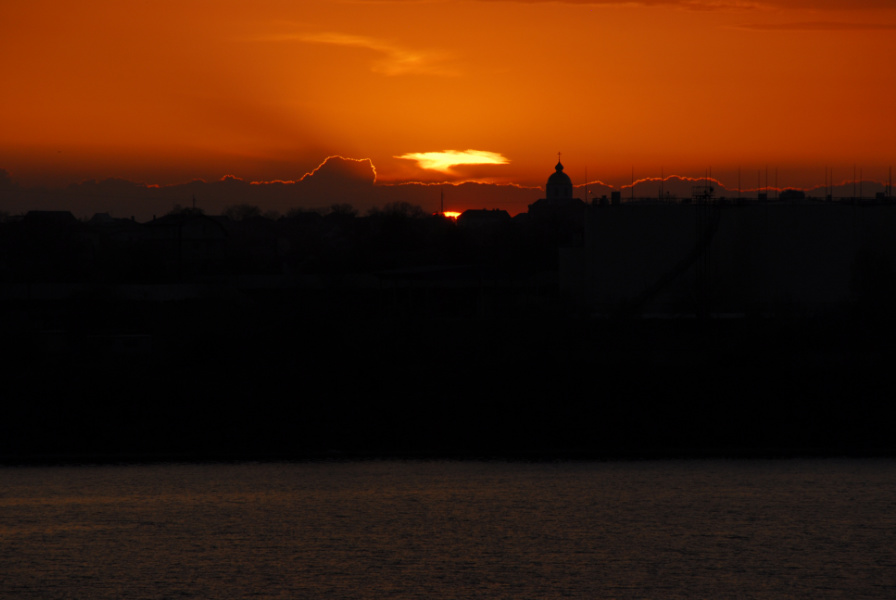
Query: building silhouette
(559,215)
(559,184)
(558,200)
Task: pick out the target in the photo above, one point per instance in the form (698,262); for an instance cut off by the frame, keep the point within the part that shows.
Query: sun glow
(445,160)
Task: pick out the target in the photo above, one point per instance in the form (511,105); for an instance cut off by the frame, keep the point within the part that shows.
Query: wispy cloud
(819,26)
(815,5)
(443,161)
(393,59)
(690,4)
(829,5)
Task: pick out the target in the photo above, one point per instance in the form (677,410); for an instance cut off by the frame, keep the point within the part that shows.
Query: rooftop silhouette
(644,328)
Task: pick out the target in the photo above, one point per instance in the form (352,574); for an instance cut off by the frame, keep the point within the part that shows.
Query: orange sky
(167,91)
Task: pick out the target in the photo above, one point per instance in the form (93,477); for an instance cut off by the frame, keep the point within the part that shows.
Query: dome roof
(559,184)
(558,177)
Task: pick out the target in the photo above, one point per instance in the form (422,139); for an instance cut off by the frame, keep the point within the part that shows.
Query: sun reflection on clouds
(446,159)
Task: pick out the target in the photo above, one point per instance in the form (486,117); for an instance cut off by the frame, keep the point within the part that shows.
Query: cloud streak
(815,5)
(394,59)
(818,26)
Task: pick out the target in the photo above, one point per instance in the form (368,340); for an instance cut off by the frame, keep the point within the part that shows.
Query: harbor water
(419,529)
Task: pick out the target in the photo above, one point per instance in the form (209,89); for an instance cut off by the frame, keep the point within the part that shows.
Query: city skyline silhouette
(339,180)
(591,330)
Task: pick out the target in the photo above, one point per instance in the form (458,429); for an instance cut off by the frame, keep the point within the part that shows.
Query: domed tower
(559,184)
(558,203)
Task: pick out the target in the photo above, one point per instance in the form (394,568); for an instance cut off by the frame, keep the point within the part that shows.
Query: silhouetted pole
(703,260)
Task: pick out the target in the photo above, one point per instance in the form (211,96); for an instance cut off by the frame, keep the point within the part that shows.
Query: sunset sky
(164,92)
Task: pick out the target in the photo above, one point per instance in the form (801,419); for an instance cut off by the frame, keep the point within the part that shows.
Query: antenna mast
(586,184)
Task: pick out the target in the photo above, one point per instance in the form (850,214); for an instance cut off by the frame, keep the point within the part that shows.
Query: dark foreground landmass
(298,375)
(401,334)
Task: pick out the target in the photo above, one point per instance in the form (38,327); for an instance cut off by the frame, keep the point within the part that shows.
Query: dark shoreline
(303,378)
(74,460)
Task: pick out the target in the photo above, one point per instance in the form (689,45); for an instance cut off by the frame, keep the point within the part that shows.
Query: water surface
(393,529)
